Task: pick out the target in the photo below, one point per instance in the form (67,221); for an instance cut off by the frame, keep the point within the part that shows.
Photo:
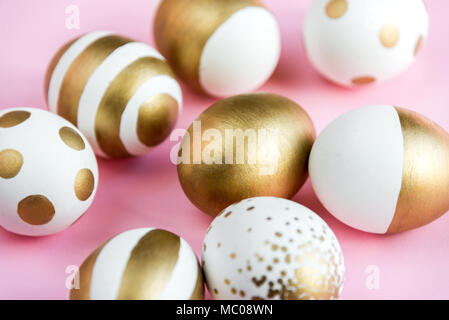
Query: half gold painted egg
(245,146)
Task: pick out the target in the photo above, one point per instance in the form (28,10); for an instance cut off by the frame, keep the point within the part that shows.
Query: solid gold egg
(245,146)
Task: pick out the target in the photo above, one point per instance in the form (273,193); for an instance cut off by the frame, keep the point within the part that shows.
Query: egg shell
(279,132)
(359,42)
(121,94)
(141,264)
(222,47)
(382,169)
(271,248)
(48,172)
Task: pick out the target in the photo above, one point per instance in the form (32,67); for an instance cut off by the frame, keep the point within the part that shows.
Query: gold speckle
(240,270)
(288,259)
(36,210)
(418,44)
(228,214)
(227,282)
(84,184)
(283,273)
(232,255)
(284,249)
(259,257)
(336,8)
(389,35)
(219,245)
(274,247)
(275,260)
(250,229)
(234,290)
(215,291)
(360,81)
(11,162)
(321,238)
(259,282)
(299,231)
(268,218)
(13,118)
(278,234)
(71,138)
(269,268)
(249,268)
(250,208)
(242,293)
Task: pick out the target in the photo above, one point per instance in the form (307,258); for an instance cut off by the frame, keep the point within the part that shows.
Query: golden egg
(245,146)
(221,47)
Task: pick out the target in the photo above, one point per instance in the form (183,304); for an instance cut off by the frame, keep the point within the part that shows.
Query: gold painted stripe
(424,194)
(198,291)
(80,71)
(85,276)
(150,266)
(182,28)
(117,96)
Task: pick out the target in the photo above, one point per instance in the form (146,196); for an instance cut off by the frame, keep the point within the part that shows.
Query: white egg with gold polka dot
(120,93)
(48,172)
(140,264)
(272,248)
(360,42)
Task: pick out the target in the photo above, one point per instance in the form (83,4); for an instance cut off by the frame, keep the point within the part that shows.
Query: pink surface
(146,192)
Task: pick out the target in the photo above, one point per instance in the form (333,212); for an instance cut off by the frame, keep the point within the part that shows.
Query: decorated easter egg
(272,248)
(221,47)
(382,169)
(121,94)
(359,42)
(245,146)
(48,172)
(140,264)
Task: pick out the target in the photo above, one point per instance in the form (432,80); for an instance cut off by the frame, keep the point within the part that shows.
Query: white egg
(140,264)
(48,172)
(382,169)
(358,42)
(272,248)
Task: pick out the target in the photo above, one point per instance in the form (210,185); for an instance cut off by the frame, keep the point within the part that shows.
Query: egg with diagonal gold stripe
(48,172)
(141,264)
(220,47)
(382,169)
(120,93)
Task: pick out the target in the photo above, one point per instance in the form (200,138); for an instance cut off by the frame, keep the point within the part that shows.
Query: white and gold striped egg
(48,172)
(141,264)
(382,169)
(121,94)
(220,47)
(272,248)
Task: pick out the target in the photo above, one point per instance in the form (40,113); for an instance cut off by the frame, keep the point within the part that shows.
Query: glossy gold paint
(389,35)
(84,184)
(11,162)
(336,8)
(36,210)
(13,118)
(183,27)
(424,194)
(213,187)
(71,138)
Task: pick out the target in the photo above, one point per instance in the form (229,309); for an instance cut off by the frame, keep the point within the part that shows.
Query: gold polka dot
(215,291)
(227,214)
(11,162)
(84,184)
(336,8)
(389,35)
(71,138)
(227,282)
(418,44)
(156,119)
(36,210)
(232,255)
(250,208)
(242,293)
(234,290)
(13,118)
(360,81)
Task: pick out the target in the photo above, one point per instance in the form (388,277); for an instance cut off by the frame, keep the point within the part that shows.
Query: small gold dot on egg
(275,260)
(227,214)
(250,229)
(232,255)
(269,268)
(249,268)
(283,273)
(234,291)
(13,118)
(274,247)
(278,234)
(215,291)
(418,45)
(227,282)
(71,138)
(321,238)
(11,162)
(84,184)
(250,208)
(242,293)
(240,270)
(284,249)
(36,210)
(360,81)
(336,8)
(218,245)
(288,259)
(268,218)
(389,35)
(299,231)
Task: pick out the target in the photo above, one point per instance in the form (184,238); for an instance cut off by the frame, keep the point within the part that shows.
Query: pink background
(146,192)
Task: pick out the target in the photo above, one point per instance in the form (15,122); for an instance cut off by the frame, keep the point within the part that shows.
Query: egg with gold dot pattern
(382,169)
(220,47)
(360,42)
(120,93)
(141,264)
(48,172)
(271,248)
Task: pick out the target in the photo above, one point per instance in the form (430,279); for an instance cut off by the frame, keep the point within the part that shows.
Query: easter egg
(140,264)
(221,47)
(360,42)
(271,248)
(245,146)
(121,94)
(382,169)
(48,172)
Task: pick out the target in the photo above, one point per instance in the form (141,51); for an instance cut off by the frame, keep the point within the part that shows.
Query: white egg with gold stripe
(121,94)
(382,169)
(141,264)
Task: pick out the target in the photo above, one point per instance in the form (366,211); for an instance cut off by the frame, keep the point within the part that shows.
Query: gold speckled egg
(245,146)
